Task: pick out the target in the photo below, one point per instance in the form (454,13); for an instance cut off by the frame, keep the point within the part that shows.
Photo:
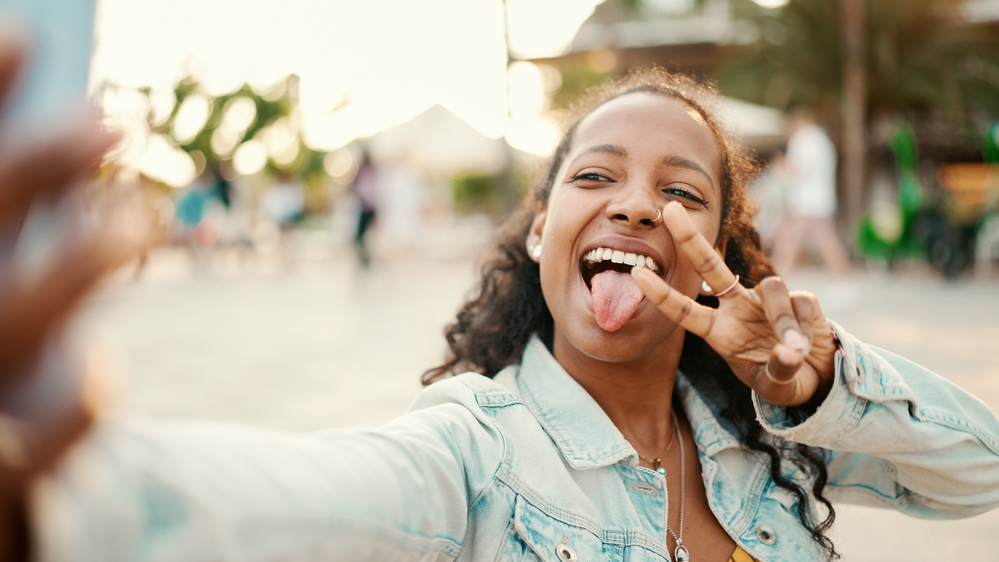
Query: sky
(389,60)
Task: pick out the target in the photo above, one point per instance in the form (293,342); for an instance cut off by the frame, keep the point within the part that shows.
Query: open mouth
(607,275)
(600,260)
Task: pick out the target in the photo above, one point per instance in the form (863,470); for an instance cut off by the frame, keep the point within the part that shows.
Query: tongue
(615,298)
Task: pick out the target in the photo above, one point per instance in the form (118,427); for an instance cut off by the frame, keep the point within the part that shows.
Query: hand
(757,331)
(32,309)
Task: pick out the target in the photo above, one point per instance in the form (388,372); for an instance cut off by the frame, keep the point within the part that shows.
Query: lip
(627,245)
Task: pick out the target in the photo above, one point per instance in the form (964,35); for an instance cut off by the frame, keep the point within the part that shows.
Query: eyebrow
(681,162)
(603,148)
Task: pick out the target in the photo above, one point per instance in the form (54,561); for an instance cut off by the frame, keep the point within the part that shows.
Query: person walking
(366,188)
(810,166)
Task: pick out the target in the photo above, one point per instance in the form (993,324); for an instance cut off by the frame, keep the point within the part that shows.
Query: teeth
(616,256)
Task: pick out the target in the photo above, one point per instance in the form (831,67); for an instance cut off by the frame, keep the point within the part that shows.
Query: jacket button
(566,553)
(766,534)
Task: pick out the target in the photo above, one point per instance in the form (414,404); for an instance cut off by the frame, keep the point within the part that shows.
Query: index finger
(690,315)
(706,261)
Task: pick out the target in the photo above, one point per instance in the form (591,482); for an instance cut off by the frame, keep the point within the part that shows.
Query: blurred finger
(48,442)
(33,310)
(678,307)
(780,313)
(13,51)
(708,264)
(13,449)
(51,166)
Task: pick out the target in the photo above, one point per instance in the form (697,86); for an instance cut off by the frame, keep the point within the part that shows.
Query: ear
(535,233)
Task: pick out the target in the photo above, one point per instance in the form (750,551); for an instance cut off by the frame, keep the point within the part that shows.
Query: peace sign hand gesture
(778,343)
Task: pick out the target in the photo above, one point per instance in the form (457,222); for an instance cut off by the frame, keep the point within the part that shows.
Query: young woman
(639,389)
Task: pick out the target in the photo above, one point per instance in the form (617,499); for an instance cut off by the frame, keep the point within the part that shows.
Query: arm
(900,436)
(198,491)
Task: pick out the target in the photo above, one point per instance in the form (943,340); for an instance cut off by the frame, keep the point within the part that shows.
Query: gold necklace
(656,462)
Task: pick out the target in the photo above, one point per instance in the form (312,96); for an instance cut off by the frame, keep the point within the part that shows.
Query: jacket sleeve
(899,436)
(207,491)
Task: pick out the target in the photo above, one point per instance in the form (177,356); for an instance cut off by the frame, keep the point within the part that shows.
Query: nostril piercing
(657,216)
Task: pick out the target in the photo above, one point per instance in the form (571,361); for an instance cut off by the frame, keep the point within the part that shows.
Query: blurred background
(327,173)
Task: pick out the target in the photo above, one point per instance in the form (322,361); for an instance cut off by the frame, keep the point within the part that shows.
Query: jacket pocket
(536,536)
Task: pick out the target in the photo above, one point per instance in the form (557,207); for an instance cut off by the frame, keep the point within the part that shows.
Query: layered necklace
(681,554)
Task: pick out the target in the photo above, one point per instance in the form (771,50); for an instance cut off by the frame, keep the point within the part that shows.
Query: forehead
(651,124)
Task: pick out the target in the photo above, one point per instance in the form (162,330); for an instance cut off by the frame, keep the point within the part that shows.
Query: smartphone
(61,38)
(53,85)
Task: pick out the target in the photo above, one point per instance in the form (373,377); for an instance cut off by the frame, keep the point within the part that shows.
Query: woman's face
(629,158)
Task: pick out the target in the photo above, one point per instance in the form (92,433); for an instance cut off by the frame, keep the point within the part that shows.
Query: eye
(684,193)
(590,177)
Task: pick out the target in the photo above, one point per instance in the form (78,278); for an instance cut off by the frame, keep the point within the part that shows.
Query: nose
(634,207)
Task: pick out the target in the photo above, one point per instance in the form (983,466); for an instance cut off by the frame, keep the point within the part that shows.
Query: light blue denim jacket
(510,469)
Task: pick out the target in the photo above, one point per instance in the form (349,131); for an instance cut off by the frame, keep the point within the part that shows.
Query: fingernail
(794,339)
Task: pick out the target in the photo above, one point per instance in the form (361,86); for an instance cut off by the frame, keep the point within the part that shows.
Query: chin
(640,337)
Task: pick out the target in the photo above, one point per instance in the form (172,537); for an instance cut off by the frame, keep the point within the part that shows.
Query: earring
(706,289)
(536,251)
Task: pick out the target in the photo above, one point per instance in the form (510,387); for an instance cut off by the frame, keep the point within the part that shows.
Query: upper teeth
(617,256)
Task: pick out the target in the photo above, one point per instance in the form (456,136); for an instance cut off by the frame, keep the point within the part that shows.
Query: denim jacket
(523,467)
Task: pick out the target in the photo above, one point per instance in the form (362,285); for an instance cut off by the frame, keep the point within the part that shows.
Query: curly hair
(493,327)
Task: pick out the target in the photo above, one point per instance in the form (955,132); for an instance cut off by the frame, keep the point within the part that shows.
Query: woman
(616,417)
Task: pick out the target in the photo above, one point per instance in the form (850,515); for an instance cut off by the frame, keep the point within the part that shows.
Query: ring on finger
(766,371)
(728,289)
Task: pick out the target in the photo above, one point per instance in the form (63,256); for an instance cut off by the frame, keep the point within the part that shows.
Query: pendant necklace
(681,554)
(656,462)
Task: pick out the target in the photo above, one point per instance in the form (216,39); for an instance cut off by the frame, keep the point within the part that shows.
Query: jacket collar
(578,425)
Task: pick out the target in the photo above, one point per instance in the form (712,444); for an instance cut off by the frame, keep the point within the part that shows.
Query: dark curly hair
(495,324)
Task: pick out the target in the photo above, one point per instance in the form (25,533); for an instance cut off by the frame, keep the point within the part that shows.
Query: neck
(636,393)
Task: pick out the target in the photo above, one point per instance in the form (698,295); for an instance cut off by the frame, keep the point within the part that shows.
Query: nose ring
(657,216)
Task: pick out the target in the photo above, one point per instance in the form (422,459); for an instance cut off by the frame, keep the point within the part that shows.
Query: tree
(921,56)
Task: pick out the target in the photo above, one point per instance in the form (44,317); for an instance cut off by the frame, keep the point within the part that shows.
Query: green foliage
(577,77)
(308,166)
(477,193)
(920,57)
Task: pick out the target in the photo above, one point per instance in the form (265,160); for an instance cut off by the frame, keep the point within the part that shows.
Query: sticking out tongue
(615,298)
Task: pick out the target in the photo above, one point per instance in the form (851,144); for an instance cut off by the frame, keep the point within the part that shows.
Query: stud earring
(536,251)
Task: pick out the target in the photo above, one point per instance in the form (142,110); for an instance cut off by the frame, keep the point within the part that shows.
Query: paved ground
(328,346)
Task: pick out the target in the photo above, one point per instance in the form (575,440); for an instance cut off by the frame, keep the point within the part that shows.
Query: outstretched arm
(212,491)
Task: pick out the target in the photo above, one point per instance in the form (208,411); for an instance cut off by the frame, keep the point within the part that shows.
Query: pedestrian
(284,204)
(810,166)
(366,188)
(638,387)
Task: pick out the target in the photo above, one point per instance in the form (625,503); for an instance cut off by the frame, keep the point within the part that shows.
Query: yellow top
(740,555)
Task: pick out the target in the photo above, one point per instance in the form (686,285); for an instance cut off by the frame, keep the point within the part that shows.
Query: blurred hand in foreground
(34,307)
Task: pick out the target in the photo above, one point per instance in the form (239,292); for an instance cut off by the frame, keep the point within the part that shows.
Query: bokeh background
(248,122)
